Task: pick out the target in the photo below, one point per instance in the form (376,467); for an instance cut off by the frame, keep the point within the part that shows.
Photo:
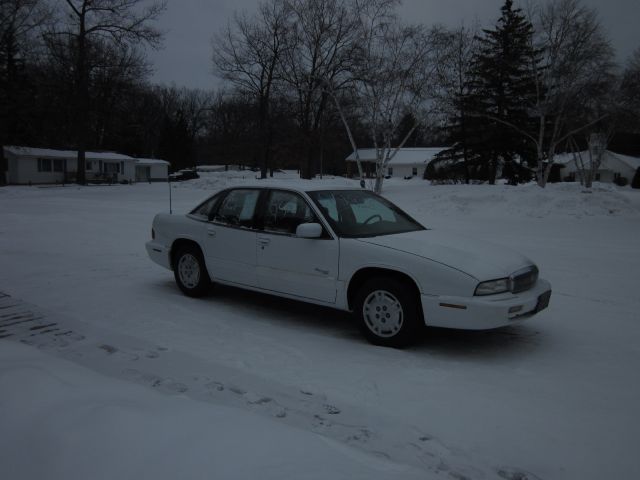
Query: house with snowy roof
(151,170)
(28,165)
(612,167)
(407,162)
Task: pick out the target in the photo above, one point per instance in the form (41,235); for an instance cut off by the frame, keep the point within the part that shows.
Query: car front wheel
(190,272)
(388,312)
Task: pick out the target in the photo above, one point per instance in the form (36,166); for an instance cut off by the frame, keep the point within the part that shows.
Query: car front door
(230,238)
(303,267)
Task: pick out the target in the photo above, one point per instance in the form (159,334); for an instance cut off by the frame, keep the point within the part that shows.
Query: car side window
(237,208)
(204,209)
(327,203)
(285,211)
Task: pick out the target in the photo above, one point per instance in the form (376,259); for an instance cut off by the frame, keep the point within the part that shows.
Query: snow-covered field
(107,371)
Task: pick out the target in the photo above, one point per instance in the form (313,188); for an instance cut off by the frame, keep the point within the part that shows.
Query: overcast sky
(185,59)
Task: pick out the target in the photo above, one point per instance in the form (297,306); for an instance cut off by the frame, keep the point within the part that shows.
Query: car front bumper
(485,312)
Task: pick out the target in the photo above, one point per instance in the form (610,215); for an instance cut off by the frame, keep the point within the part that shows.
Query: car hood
(482,260)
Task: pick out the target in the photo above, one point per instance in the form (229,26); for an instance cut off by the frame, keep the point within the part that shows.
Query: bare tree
(84,22)
(630,91)
(320,49)
(184,119)
(247,53)
(20,24)
(392,78)
(575,55)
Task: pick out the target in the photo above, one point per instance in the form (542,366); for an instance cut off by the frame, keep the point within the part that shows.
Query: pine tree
(501,90)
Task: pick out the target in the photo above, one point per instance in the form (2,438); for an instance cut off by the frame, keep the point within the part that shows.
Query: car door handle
(264,241)
(211,232)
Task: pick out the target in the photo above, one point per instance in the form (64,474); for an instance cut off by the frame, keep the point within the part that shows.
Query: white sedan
(349,249)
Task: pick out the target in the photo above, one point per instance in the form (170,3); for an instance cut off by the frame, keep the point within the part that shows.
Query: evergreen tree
(500,91)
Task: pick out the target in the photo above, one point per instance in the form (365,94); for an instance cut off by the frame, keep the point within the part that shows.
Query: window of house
(89,165)
(110,167)
(390,171)
(414,171)
(597,177)
(44,164)
(58,165)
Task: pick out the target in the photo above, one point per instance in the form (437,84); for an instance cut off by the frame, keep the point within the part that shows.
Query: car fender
(431,277)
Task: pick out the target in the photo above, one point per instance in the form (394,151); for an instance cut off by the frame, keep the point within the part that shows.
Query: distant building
(407,162)
(151,170)
(26,165)
(612,166)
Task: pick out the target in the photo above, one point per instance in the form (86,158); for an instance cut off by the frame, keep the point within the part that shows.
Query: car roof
(298,186)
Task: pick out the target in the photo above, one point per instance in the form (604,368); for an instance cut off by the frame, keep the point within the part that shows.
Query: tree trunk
(82,100)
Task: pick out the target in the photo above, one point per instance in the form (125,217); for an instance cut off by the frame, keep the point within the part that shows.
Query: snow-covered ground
(107,371)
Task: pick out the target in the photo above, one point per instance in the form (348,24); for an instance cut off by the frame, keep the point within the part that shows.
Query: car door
(230,238)
(303,267)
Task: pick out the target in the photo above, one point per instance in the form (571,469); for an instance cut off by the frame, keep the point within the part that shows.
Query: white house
(26,165)
(613,166)
(151,170)
(407,162)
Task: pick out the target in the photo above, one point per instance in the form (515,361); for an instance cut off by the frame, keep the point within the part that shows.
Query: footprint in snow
(111,350)
(331,410)
(167,385)
(509,473)
(217,386)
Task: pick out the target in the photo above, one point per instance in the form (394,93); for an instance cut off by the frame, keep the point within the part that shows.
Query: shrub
(621,181)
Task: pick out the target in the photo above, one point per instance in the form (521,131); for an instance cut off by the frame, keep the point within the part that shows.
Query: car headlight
(493,286)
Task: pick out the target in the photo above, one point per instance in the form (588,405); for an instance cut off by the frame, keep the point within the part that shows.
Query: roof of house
(51,153)
(404,156)
(151,161)
(566,158)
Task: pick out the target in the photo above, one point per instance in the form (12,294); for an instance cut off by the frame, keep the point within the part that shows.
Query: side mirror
(309,230)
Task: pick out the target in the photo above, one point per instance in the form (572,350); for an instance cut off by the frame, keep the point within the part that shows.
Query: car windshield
(361,213)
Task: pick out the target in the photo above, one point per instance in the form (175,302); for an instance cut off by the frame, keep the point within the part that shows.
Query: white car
(349,249)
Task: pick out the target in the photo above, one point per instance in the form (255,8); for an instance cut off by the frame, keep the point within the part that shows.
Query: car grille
(524,279)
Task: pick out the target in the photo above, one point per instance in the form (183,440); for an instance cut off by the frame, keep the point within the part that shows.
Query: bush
(621,181)
(635,183)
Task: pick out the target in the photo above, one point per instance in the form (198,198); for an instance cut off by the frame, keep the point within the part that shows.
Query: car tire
(388,312)
(190,271)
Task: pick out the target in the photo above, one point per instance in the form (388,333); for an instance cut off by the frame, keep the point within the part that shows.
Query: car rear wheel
(190,271)
(388,312)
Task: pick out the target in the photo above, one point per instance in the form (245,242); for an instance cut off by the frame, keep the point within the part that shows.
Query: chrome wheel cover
(382,313)
(189,270)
